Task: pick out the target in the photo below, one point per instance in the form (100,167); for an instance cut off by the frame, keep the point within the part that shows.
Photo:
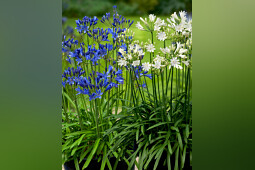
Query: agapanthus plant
(93,84)
(161,124)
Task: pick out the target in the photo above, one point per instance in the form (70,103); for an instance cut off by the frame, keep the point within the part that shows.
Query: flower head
(159,58)
(129,56)
(157,64)
(162,36)
(182,56)
(165,50)
(122,62)
(157,28)
(136,63)
(182,50)
(152,17)
(150,48)
(139,26)
(186,62)
(146,66)
(183,15)
(174,62)
(144,20)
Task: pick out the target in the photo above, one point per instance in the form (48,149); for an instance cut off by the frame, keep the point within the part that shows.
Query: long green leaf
(74,150)
(91,154)
(168,159)
(187,131)
(180,141)
(176,159)
(158,159)
(169,147)
(85,153)
(156,125)
(104,160)
(78,141)
(69,99)
(77,167)
(184,156)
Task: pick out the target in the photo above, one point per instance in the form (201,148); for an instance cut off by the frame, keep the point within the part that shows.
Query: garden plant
(127,102)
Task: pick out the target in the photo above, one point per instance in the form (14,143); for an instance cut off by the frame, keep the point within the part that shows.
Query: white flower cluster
(147,22)
(181,24)
(178,29)
(172,56)
(153,24)
(132,55)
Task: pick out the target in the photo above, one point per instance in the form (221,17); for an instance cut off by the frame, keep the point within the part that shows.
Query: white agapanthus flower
(159,58)
(129,56)
(122,62)
(152,17)
(157,28)
(179,45)
(185,33)
(182,56)
(131,46)
(171,22)
(186,62)
(162,36)
(189,41)
(136,63)
(174,16)
(144,20)
(157,64)
(189,26)
(140,52)
(150,48)
(139,26)
(180,27)
(174,62)
(165,50)
(146,66)
(182,50)
(160,22)
(172,47)
(183,15)
(137,48)
(163,23)
(122,51)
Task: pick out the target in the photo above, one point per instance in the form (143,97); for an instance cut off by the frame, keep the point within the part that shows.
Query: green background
(223,85)
(30,88)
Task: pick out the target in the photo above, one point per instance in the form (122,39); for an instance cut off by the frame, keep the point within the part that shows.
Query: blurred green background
(80,8)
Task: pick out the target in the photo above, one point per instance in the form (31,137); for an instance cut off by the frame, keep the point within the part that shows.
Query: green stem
(171,99)
(78,112)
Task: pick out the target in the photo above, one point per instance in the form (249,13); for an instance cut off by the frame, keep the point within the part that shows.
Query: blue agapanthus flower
(138,71)
(71,75)
(84,25)
(118,21)
(95,84)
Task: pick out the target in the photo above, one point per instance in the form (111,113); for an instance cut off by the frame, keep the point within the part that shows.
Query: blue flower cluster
(92,54)
(117,21)
(89,50)
(96,84)
(71,75)
(138,71)
(84,25)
